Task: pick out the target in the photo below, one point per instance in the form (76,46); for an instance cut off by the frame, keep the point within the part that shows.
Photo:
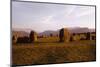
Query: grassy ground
(43,52)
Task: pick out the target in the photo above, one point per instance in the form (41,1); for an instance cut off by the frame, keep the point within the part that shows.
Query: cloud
(47,19)
(42,17)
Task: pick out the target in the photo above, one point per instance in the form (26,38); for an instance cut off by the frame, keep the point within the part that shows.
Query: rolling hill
(25,32)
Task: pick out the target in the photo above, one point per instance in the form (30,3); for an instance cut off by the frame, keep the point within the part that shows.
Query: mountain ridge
(54,32)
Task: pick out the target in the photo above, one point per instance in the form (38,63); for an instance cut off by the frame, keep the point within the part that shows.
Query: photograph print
(52,33)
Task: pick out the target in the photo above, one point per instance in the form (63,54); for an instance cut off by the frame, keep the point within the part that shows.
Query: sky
(42,16)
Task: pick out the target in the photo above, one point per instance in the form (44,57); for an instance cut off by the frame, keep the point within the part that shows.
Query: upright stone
(88,36)
(64,35)
(14,38)
(33,36)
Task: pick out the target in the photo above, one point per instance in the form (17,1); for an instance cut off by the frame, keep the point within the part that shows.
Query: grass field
(52,51)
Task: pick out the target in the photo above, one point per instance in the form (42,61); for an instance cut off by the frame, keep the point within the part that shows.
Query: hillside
(25,32)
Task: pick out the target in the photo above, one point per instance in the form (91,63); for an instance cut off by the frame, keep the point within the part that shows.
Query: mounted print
(52,33)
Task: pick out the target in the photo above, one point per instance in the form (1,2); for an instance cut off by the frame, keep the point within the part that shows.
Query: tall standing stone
(88,36)
(33,36)
(64,35)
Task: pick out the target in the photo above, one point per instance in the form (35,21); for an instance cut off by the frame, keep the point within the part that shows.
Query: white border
(5,33)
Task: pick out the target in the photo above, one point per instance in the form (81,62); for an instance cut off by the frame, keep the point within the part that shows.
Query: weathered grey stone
(76,37)
(64,35)
(88,36)
(33,36)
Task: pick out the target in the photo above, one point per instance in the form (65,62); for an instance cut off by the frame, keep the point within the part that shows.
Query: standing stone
(64,35)
(14,38)
(51,35)
(76,37)
(92,36)
(82,36)
(33,36)
(88,36)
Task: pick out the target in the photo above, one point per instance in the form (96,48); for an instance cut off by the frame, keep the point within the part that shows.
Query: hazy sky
(42,16)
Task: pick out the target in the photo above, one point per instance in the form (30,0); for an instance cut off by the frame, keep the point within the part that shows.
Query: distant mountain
(20,33)
(23,32)
(48,33)
(81,30)
(21,29)
(72,30)
(92,30)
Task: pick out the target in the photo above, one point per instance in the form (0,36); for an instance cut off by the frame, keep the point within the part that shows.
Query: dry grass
(44,52)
